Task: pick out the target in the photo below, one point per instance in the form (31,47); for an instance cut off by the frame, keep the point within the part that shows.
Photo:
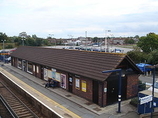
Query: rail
(10,110)
(9,102)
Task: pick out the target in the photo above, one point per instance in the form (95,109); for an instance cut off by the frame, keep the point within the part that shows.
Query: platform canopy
(144,67)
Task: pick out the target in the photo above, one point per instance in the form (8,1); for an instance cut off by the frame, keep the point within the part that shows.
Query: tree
(136,36)
(153,57)
(137,55)
(38,42)
(95,39)
(148,43)
(17,40)
(45,42)
(129,41)
(29,42)
(3,37)
(23,34)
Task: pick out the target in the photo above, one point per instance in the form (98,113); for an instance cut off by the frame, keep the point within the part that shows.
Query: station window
(30,67)
(19,63)
(33,68)
(37,69)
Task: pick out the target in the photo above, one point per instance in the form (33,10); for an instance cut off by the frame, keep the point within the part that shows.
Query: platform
(63,101)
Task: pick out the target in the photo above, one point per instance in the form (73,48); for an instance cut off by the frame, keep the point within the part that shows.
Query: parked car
(7,60)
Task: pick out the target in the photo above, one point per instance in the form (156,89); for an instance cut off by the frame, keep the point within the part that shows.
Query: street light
(106,40)
(3,43)
(152,102)
(120,88)
(23,40)
(86,39)
(52,38)
(73,43)
(3,50)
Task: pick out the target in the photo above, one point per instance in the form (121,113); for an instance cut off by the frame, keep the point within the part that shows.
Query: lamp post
(86,39)
(73,43)
(23,41)
(120,88)
(3,51)
(106,40)
(3,43)
(153,82)
(52,38)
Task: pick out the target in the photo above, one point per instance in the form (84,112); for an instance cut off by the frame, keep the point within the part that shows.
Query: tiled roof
(82,63)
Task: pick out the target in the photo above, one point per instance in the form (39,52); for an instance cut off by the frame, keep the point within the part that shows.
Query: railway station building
(80,72)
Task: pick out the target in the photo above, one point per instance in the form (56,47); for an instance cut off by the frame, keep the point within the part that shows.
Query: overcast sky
(74,17)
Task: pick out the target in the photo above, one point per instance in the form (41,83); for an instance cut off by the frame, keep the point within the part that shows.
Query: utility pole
(3,51)
(86,39)
(106,40)
(52,38)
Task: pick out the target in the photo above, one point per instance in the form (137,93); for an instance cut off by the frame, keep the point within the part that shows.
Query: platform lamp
(23,38)
(106,40)
(120,88)
(3,50)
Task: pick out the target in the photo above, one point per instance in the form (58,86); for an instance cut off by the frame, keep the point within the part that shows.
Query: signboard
(105,90)
(63,81)
(57,75)
(84,86)
(145,99)
(77,83)
(45,74)
(146,107)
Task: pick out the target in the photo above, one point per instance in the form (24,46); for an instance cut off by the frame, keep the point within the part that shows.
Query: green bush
(141,86)
(134,101)
(9,46)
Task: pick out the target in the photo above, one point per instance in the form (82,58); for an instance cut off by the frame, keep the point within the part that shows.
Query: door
(70,84)
(95,91)
(42,72)
(113,88)
(24,66)
(112,91)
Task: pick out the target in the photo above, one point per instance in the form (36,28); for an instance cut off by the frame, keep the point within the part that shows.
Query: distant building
(80,72)
(85,41)
(118,41)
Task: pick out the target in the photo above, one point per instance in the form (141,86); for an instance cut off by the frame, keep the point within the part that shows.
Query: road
(147,79)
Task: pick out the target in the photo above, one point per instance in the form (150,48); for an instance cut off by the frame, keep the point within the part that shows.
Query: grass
(126,46)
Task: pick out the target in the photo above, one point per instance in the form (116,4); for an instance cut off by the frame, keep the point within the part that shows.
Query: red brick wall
(102,95)
(132,85)
(39,71)
(14,62)
(88,94)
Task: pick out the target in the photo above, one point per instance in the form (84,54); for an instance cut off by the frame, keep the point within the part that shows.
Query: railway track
(20,110)
(5,111)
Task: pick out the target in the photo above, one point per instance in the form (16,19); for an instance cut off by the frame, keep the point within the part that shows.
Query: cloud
(63,17)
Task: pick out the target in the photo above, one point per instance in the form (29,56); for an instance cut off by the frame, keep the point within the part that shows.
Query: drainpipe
(102,94)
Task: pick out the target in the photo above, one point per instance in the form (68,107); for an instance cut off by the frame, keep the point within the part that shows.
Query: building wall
(14,62)
(78,91)
(102,101)
(82,86)
(132,85)
(37,70)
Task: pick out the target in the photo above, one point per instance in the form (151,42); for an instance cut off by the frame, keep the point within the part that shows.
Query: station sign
(145,99)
